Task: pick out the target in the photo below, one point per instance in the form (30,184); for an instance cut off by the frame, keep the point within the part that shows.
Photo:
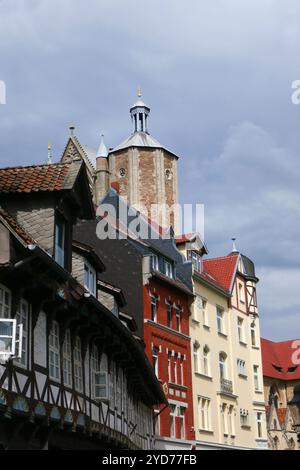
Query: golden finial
(139,92)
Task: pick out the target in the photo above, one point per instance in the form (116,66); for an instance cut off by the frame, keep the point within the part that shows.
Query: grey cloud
(217,76)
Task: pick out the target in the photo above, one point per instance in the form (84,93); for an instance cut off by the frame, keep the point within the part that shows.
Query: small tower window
(122,172)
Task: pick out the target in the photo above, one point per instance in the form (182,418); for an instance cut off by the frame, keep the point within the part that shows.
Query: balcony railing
(226,386)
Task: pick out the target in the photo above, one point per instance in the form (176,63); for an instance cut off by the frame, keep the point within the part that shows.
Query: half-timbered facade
(83,380)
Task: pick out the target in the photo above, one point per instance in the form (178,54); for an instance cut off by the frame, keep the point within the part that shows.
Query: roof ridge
(40,165)
(221,257)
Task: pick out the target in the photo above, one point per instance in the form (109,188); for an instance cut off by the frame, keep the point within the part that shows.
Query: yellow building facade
(228,391)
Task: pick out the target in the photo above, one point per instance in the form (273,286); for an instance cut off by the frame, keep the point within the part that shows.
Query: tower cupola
(139,115)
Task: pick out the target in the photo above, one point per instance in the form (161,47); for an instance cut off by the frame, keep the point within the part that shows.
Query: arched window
(223,365)
(291,443)
(273,396)
(196,355)
(275,424)
(276,442)
(206,364)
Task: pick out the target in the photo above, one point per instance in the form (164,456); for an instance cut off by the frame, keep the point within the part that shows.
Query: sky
(218,77)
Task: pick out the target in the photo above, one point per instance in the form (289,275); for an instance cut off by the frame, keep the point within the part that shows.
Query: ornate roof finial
(139,92)
(49,161)
(234,250)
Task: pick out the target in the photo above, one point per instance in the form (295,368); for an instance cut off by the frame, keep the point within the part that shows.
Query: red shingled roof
(13,224)
(222,270)
(54,177)
(277,359)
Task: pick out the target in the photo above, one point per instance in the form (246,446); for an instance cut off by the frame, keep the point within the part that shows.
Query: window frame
(5,308)
(78,365)
(54,348)
(90,272)
(67,359)
(25,332)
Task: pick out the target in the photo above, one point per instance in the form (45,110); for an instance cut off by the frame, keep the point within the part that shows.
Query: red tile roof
(277,358)
(13,224)
(54,177)
(222,270)
(185,237)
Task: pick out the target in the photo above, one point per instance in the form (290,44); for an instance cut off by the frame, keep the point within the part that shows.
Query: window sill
(208,377)
(255,347)
(260,392)
(243,343)
(207,431)
(207,327)
(243,376)
(246,426)
(224,335)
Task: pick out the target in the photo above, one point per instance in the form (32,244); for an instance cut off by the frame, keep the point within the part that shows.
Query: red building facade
(166,334)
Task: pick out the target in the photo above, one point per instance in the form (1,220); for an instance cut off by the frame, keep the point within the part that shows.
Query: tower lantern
(139,115)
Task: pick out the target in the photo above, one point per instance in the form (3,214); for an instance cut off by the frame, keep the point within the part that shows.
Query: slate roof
(277,360)
(140,139)
(38,178)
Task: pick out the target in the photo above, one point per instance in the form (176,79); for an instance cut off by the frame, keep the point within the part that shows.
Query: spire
(234,250)
(139,114)
(72,129)
(49,161)
(102,150)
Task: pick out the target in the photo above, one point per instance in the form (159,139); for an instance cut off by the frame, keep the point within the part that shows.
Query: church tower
(146,172)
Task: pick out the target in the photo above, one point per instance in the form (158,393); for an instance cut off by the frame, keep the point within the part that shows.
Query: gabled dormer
(46,200)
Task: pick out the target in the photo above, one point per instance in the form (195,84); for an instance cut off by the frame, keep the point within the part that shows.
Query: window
(100,375)
(169,367)
(7,336)
(168,269)
(60,236)
(224,419)
(181,372)
(178,317)
(231,424)
(90,278)
(67,359)
(259,424)
(155,352)
(196,351)
(175,369)
(112,383)
(253,335)
(78,365)
(241,367)
(244,418)
(256,378)
(206,365)
(54,355)
(5,302)
(220,321)
(157,422)
(23,318)
(240,328)
(204,413)
(196,260)
(181,414)
(172,420)
(222,366)
(153,308)
(201,311)
(241,293)
(169,315)
(154,263)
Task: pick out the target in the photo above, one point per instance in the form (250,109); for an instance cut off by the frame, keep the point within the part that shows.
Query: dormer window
(168,269)
(196,260)
(90,278)
(154,263)
(60,239)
